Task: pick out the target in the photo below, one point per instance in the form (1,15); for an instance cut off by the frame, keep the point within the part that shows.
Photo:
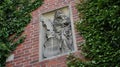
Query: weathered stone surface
(57,35)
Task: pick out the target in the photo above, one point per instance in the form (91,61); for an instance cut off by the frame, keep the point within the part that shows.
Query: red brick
(27,54)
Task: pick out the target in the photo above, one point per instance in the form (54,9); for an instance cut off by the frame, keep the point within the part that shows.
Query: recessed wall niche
(56,37)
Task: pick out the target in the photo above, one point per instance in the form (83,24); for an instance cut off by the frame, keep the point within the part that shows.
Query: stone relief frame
(69,9)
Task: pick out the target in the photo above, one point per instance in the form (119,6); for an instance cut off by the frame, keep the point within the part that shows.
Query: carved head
(59,14)
(60,19)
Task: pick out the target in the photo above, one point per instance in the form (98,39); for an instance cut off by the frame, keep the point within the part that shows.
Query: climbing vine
(100,26)
(14,16)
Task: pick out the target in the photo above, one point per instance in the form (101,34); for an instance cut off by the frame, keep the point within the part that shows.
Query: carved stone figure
(59,38)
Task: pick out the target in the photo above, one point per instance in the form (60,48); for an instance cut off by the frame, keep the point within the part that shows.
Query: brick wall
(27,53)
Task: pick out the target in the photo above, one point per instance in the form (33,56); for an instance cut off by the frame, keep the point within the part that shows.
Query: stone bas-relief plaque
(56,35)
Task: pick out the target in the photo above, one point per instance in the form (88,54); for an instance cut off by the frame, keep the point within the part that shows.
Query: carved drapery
(58,39)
